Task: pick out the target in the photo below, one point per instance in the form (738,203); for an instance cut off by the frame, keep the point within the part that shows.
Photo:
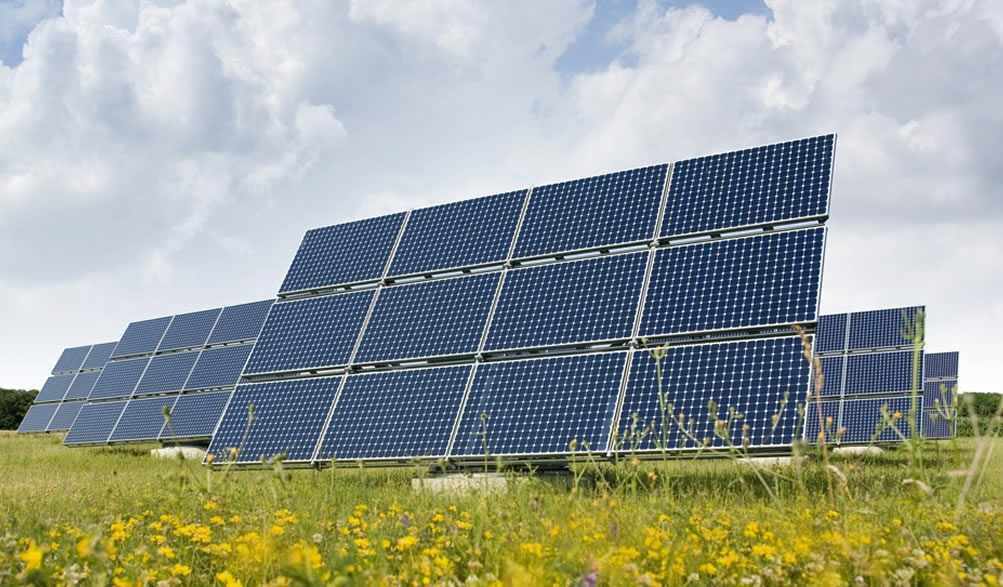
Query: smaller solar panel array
(940,391)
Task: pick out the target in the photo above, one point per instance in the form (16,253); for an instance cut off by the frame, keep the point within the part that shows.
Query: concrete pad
(857,450)
(484,483)
(189,453)
(768,461)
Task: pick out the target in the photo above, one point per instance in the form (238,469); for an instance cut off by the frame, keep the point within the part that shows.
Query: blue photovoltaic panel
(471,232)
(312,333)
(118,379)
(879,373)
(939,394)
(563,303)
(189,330)
(881,328)
(395,414)
(219,367)
(241,322)
(37,418)
(539,406)
(141,337)
(935,425)
(94,423)
(862,418)
(167,373)
(735,283)
(142,419)
(831,333)
(82,385)
(64,416)
(829,410)
(749,376)
(54,388)
(343,253)
(99,355)
(832,371)
(593,212)
(195,415)
(764,185)
(71,359)
(288,420)
(941,365)
(441,317)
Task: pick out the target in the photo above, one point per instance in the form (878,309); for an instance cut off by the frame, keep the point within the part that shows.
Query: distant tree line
(983,406)
(14,404)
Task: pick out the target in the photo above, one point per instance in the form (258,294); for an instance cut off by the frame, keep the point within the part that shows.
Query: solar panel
(538,406)
(99,355)
(189,330)
(64,416)
(467,233)
(935,425)
(830,336)
(195,415)
(881,328)
(167,373)
(752,187)
(71,359)
(118,379)
(288,420)
(440,317)
(880,373)
(219,367)
(735,283)
(344,253)
(574,302)
(141,337)
(395,414)
(832,371)
(939,394)
(37,418)
(54,388)
(94,423)
(749,377)
(830,415)
(863,417)
(142,419)
(593,212)
(241,322)
(81,386)
(312,333)
(941,365)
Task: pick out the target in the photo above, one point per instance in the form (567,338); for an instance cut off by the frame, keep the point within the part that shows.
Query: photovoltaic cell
(167,373)
(312,333)
(440,317)
(750,377)
(71,359)
(343,253)
(863,419)
(241,322)
(593,212)
(881,328)
(396,414)
(832,371)
(939,394)
(219,367)
(288,420)
(195,415)
(829,410)
(538,406)
(54,388)
(141,337)
(735,283)
(941,365)
(94,423)
(471,232)
(99,355)
(142,419)
(37,418)
(189,330)
(118,379)
(64,416)
(879,373)
(82,385)
(830,335)
(579,301)
(935,425)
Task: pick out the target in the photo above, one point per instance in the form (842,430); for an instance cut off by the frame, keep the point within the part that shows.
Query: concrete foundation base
(857,450)
(768,461)
(189,453)
(490,483)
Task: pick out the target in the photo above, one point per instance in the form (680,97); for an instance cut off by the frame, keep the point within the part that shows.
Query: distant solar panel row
(940,395)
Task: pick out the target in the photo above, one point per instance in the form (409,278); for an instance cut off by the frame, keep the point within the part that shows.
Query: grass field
(118,516)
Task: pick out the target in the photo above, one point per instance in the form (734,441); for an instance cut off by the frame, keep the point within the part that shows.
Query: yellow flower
(751,530)
(235,519)
(278,530)
(83,546)
(764,550)
(218,520)
(167,551)
(210,506)
(228,580)
(708,569)
(32,557)
(406,543)
(181,570)
(121,582)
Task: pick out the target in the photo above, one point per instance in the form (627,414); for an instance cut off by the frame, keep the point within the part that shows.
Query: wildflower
(228,580)
(166,551)
(406,543)
(32,557)
(218,520)
(708,569)
(210,506)
(181,570)
(278,530)
(83,546)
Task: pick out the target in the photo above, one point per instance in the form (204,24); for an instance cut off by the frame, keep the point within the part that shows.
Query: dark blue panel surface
(54,388)
(880,373)
(578,301)
(71,359)
(592,212)
(313,333)
(167,373)
(881,328)
(99,355)
(735,283)
(37,418)
(441,317)
(752,187)
(288,420)
(935,425)
(830,415)
(832,370)
(118,379)
(831,333)
(142,419)
(539,406)
(64,416)
(189,330)
(195,415)
(141,337)
(862,419)
(94,423)
(749,377)
(471,232)
(241,322)
(939,393)
(396,414)
(941,365)
(82,385)
(343,253)
(219,367)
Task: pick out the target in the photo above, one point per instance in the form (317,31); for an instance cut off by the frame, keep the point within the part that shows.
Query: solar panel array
(517,323)
(940,390)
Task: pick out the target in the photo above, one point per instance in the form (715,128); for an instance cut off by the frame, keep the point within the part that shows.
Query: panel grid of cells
(312,333)
(593,212)
(749,378)
(935,425)
(71,359)
(189,330)
(219,367)
(735,283)
(54,388)
(579,301)
(99,355)
(141,337)
(440,317)
(939,394)
(538,406)
(195,415)
(63,419)
(167,373)
(830,336)
(94,423)
(142,419)
(830,417)
(941,365)
(395,414)
(118,379)
(344,253)
(82,385)
(864,422)
(882,328)
(241,322)
(288,420)
(466,233)
(832,373)
(37,418)
(764,185)
(880,373)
